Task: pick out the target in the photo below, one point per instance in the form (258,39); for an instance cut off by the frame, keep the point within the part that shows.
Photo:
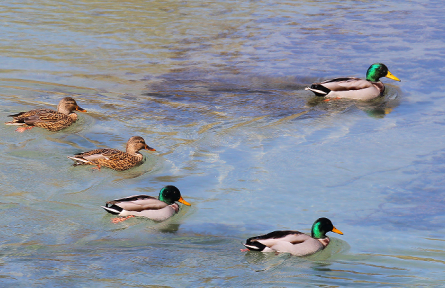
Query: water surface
(218,89)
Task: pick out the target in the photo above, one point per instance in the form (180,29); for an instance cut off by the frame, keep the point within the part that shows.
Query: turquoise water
(218,89)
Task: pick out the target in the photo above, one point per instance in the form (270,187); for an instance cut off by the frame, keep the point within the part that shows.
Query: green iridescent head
(170,194)
(322,226)
(377,71)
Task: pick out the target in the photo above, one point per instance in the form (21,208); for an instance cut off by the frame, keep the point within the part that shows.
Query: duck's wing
(31,113)
(158,214)
(294,242)
(351,88)
(268,241)
(45,117)
(338,84)
(137,203)
(103,154)
(22,116)
(346,84)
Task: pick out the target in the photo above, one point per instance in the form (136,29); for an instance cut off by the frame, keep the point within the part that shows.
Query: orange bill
(390,76)
(337,231)
(184,202)
(149,148)
(80,109)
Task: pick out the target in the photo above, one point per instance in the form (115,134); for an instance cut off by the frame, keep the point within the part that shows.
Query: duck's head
(137,143)
(67,105)
(377,71)
(322,226)
(170,194)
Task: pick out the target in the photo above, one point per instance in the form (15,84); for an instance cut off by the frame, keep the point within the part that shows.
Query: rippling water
(218,89)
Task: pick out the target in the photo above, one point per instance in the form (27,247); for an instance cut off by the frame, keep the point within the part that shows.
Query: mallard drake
(47,118)
(355,88)
(157,209)
(113,158)
(294,242)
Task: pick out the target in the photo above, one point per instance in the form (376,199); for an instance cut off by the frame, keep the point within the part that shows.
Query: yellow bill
(390,76)
(187,203)
(337,231)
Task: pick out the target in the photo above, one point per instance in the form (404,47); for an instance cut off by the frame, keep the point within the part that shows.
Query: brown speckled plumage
(113,158)
(47,118)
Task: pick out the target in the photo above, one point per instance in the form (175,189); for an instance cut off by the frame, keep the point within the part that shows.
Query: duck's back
(22,115)
(51,121)
(111,158)
(138,203)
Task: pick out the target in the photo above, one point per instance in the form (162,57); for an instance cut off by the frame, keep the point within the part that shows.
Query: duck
(157,209)
(355,88)
(294,242)
(47,118)
(113,158)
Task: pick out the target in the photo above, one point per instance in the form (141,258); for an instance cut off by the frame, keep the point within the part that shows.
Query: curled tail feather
(254,245)
(79,161)
(318,89)
(113,209)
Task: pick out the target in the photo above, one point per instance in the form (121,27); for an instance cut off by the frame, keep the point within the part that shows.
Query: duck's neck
(324,241)
(317,231)
(63,109)
(73,116)
(133,151)
(136,154)
(373,79)
(166,200)
(175,206)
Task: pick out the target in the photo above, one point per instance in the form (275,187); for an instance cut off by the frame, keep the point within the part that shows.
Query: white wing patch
(96,157)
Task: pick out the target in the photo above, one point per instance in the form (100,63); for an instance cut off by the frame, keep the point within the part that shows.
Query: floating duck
(355,88)
(157,209)
(113,158)
(47,118)
(294,242)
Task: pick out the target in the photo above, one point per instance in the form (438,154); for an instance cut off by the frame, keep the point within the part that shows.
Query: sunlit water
(218,89)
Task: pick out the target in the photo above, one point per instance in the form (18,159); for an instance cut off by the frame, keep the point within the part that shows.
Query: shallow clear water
(218,89)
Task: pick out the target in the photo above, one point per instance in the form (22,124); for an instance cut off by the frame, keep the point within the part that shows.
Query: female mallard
(47,118)
(113,158)
(157,209)
(355,88)
(294,242)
